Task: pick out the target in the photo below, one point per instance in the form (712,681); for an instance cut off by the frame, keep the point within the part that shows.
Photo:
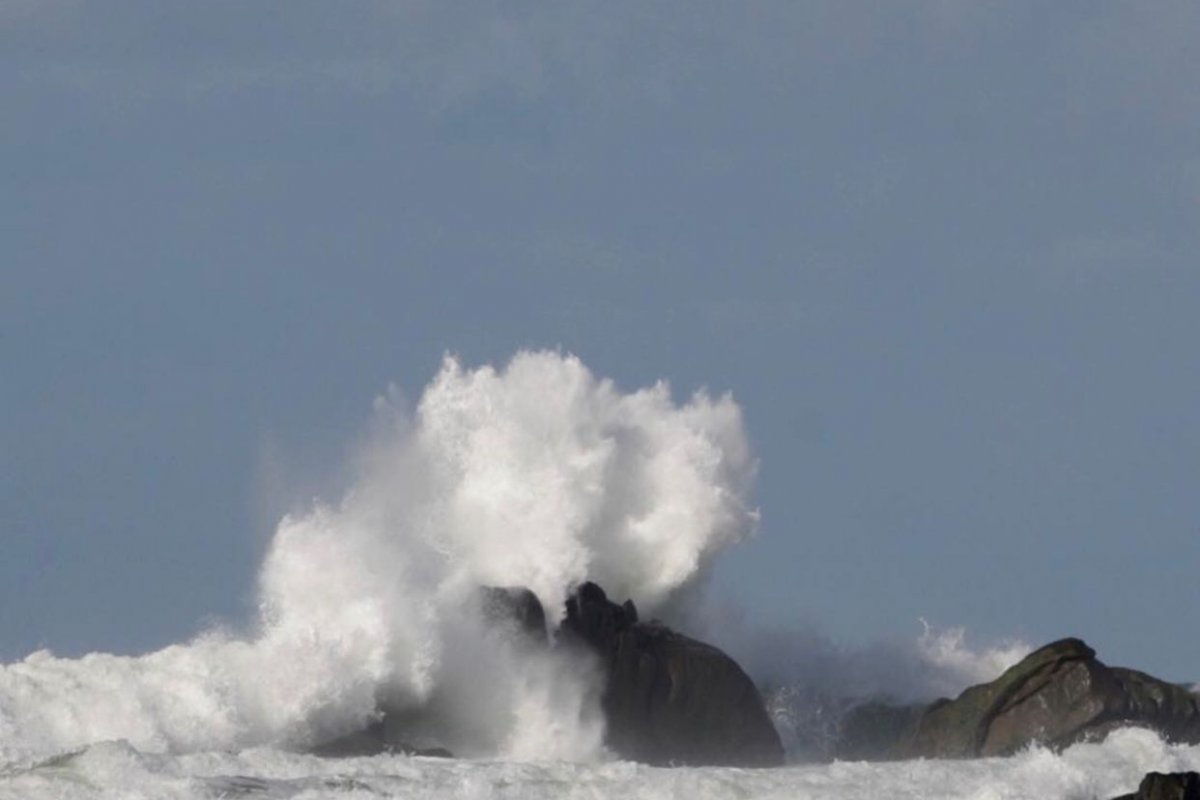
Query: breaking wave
(538,474)
(1082,772)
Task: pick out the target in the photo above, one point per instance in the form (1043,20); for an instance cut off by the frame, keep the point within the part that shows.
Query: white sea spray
(538,474)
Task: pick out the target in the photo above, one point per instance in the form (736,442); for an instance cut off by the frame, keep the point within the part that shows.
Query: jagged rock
(669,699)
(515,607)
(1056,696)
(1168,786)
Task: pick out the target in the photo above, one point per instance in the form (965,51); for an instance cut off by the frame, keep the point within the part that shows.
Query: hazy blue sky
(945,254)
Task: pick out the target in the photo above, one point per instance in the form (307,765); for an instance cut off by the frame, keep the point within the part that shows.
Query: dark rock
(1169,786)
(669,699)
(1058,695)
(515,607)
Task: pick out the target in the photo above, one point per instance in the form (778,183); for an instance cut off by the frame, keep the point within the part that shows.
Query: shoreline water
(114,769)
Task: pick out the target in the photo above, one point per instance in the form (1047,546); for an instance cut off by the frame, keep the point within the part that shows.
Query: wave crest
(538,474)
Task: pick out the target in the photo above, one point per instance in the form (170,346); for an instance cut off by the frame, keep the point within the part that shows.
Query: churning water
(538,475)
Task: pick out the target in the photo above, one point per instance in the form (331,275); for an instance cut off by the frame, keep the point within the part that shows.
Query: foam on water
(1083,772)
(538,474)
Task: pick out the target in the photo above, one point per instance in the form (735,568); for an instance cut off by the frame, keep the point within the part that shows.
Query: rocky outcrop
(669,699)
(1058,695)
(1168,786)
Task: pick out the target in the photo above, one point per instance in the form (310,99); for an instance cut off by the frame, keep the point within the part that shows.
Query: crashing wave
(538,474)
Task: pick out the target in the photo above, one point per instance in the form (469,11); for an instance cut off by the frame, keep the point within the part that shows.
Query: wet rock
(669,699)
(1168,786)
(1058,695)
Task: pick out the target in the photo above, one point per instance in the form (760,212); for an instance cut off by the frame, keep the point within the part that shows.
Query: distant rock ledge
(1059,695)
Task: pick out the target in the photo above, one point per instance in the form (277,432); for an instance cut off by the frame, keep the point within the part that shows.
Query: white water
(1082,772)
(539,475)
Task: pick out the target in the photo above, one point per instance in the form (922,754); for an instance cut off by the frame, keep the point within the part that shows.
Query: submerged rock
(1056,696)
(376,738)
(1168,786)
(669,699)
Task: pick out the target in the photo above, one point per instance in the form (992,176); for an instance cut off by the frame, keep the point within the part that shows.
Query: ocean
(118,770)
(537,475)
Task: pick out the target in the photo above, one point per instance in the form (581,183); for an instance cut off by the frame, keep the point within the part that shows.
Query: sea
(119,770)
(536,474)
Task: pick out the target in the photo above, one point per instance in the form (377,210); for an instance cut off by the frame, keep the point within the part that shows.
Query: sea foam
(1096,771)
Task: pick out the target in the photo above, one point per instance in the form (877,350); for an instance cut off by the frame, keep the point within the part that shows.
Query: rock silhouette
(669,699)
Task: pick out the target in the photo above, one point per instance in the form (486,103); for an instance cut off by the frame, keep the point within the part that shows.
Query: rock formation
(1056,696)
(669,699)
(1169,786)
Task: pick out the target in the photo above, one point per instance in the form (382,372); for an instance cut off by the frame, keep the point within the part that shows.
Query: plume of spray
(538,474)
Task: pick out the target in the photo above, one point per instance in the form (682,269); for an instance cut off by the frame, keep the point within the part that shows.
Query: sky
(944,254)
